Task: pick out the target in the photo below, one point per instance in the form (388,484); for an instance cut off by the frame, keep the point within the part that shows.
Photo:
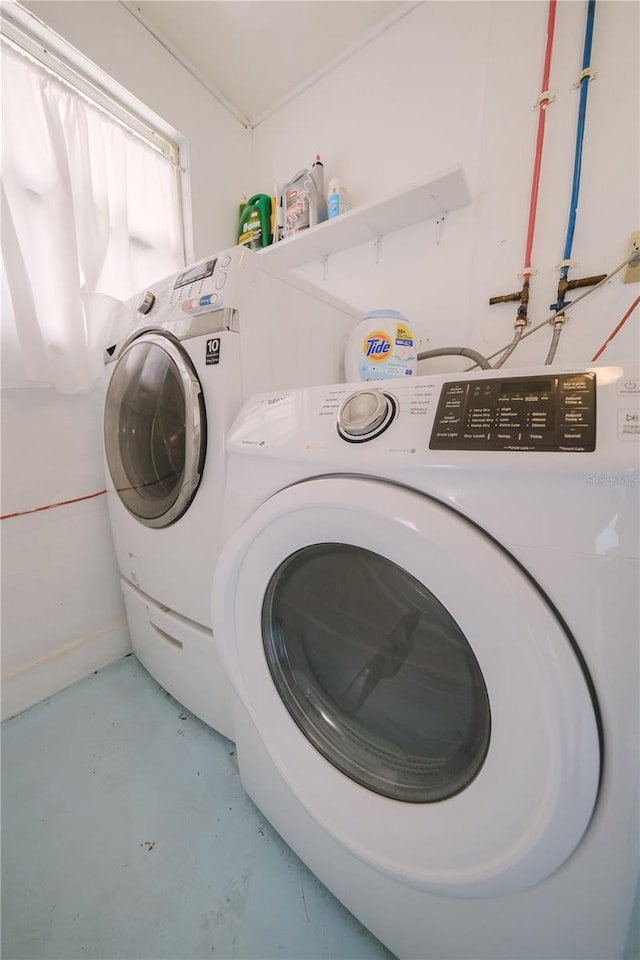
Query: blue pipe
(577,162)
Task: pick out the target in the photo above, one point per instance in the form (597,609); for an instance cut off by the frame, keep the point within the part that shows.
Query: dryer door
(413,686)
(154,429)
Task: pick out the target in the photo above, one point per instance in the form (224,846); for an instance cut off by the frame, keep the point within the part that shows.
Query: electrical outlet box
(632,274)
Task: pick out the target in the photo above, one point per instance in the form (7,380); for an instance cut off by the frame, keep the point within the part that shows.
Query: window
(91,212)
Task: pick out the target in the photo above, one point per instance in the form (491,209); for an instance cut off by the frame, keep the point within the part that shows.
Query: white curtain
(90,215)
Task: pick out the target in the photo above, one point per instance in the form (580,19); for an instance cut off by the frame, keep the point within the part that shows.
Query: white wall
(455,82)
(62,609)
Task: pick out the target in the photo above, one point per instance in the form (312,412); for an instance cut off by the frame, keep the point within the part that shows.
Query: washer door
(412,685)
(154,429)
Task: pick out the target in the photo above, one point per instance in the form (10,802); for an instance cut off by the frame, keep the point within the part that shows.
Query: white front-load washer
(208,338)
(428,610)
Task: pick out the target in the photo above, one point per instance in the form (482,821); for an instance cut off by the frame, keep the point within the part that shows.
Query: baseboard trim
(30,683)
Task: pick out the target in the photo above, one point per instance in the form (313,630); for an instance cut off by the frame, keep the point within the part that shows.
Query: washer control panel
(198,289)
(549,413)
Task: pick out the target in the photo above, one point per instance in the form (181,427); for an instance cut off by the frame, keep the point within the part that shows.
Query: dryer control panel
(549,413)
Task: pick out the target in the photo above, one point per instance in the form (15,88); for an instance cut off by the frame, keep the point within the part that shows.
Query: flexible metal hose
(514,343)
(553,346)
(478,359)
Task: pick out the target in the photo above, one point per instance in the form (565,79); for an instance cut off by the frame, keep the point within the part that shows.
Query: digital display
(199,272)
(517,413)
(511,388)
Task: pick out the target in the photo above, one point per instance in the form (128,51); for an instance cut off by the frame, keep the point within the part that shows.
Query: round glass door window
(376,673)
(155,430)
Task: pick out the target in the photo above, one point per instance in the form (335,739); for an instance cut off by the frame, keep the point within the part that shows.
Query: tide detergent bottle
(380,347)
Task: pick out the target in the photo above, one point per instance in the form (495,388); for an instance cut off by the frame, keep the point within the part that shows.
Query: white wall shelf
(434,197)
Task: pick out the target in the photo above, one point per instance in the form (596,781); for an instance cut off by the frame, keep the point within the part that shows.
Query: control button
(226,260)
(190,306)
(221,279)
(208,299)
(365,414)
(569,384)
(628,386)
(629,424)
(145,302)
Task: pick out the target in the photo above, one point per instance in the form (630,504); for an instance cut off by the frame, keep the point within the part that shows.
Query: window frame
(35,38)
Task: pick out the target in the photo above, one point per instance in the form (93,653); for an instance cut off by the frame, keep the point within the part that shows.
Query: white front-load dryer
(208,338)
(427,603)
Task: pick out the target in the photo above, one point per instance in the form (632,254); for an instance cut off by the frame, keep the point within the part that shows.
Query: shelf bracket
(325,266)
(440,218)
(377,244)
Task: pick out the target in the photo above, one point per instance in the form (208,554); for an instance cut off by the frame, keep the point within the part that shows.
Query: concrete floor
(126,834)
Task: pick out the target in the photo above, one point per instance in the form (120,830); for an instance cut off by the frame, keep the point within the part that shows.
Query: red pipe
(619,327)
(540,137)
(50,506)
